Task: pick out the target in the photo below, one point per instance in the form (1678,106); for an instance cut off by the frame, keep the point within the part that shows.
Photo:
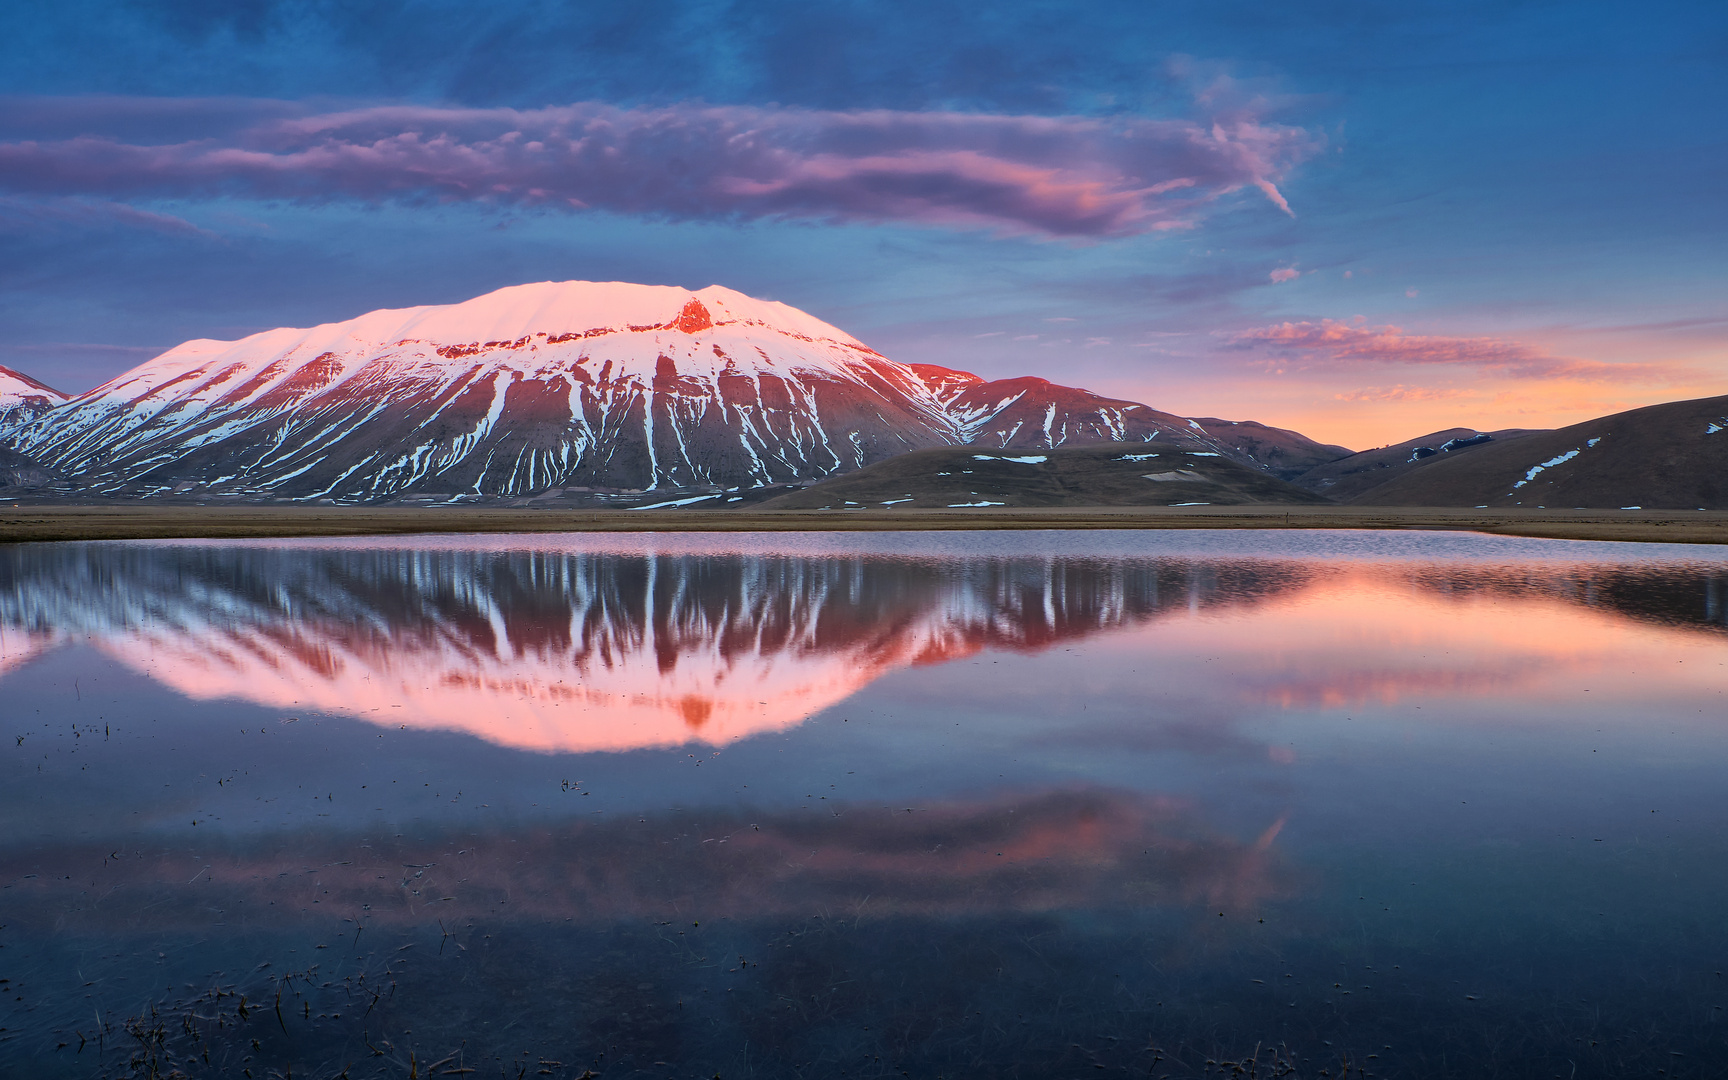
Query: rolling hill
(1344,478)
(1672,456)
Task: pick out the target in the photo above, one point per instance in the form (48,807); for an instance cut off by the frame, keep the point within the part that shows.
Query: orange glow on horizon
(1368,639)
(1364,406)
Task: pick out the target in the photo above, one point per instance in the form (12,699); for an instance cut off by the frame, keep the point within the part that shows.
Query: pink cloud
(1403,393)
(1340,340)
(1285,273)
(1056,176)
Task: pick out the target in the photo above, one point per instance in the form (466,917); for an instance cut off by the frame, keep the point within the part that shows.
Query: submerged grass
(849,996)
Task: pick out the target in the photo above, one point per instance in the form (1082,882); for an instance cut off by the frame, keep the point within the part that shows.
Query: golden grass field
(133,521)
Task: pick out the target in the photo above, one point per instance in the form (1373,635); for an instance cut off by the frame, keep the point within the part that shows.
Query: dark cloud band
(1062,176)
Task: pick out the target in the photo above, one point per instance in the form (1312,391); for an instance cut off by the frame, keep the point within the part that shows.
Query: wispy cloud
(1355,340)
(1060,176)
(51,348)
(16,211)
(1405,393)
(1285,273)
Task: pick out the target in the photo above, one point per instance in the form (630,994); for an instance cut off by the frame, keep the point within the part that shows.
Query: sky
(1364,221)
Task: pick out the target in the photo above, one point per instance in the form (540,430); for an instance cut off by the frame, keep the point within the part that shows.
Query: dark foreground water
(1040,805)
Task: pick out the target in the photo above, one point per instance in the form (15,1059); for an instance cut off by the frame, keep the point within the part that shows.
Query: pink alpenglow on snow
(23,399)
(599,386)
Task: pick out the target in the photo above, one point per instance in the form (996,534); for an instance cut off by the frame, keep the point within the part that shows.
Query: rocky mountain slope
(22,477)
(1035,413)
(597,390)
(1672,456)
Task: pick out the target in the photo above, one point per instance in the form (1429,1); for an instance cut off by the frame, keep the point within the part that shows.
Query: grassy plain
(135,521)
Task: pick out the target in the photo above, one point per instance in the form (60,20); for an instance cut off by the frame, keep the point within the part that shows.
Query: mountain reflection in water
(571,651)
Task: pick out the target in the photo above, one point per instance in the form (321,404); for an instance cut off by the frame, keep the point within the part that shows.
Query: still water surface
(1030,805)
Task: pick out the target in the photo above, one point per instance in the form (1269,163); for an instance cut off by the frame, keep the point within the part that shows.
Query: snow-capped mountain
(545,387)
(23,399)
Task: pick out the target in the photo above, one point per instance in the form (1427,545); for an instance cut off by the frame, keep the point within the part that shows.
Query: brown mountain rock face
(1033,412)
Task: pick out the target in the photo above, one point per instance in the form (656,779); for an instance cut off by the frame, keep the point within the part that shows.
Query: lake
(1400,804)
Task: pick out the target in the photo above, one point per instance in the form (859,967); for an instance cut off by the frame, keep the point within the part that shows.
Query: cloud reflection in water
(1031,853)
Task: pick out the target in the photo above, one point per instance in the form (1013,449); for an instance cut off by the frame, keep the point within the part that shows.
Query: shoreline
(39,523)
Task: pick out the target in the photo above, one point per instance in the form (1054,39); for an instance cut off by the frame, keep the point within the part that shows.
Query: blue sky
(1498,214)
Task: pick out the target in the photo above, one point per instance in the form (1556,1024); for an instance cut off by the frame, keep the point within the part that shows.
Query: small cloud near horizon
(1403,393)
(1355,340)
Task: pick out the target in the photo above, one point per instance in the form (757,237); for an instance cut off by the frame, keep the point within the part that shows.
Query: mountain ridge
(23,399)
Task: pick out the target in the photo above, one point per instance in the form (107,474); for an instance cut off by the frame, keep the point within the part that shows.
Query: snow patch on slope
(1558,459)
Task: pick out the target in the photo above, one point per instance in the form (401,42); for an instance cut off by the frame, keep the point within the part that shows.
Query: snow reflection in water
(874,805)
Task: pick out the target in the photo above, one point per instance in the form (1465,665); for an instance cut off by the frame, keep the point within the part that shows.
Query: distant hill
(1670,457)
(1099,475)
(1348,476)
